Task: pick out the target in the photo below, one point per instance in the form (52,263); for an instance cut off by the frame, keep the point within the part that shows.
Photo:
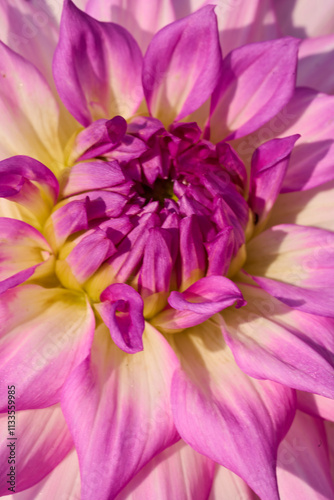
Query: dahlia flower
(166,256)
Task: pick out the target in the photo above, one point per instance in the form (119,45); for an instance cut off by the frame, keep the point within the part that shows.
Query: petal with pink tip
(63,483)
(42,342)
(199,302)
(185,51)
(271,341)
(22,250)
(296,265)
(178,472)
(42,441)
(303,465)
(96,67)
(269,166)
(133,391)
(316,56)
(121,309)
(29,112)
(257,81)
(139,17)
(240,413)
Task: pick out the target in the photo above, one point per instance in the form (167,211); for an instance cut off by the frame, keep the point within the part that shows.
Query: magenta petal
(199,302)
(315,59)
(97,67)
(179,472)
(185,51)
(24,167)
(271,341)
(269,165)
(257,81)
(91,175)
(122,311)
(98,247)
(42,441)
(240,413)
(117,407)
(157,264)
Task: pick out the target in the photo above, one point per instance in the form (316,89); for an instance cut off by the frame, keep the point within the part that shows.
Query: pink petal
(232,486)
(96,67)
(133,391)
(139,17)
(303,461)
(257,80)
(309,114)
(271,341)
(99,248)
(269,166)
(185,51)
(30,29)
(42,342)
(315,60)
(240,21)
(240,413)
(22,250)
(97,174)
(63,483)
(41,440)
(126,328)
(295,264)
(156,270)
(29,123)
(178,472)
(301,19)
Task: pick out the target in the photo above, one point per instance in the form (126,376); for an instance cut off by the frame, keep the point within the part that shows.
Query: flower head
(166,289)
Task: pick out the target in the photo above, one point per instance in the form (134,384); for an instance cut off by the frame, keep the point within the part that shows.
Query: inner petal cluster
(155,209)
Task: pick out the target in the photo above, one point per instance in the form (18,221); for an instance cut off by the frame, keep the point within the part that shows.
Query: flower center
(151,208)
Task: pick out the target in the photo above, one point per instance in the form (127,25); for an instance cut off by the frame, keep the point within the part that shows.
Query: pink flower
(166,259)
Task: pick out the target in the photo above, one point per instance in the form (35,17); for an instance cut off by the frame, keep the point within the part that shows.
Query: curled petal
(295,264)
(199,302)
(122,311)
